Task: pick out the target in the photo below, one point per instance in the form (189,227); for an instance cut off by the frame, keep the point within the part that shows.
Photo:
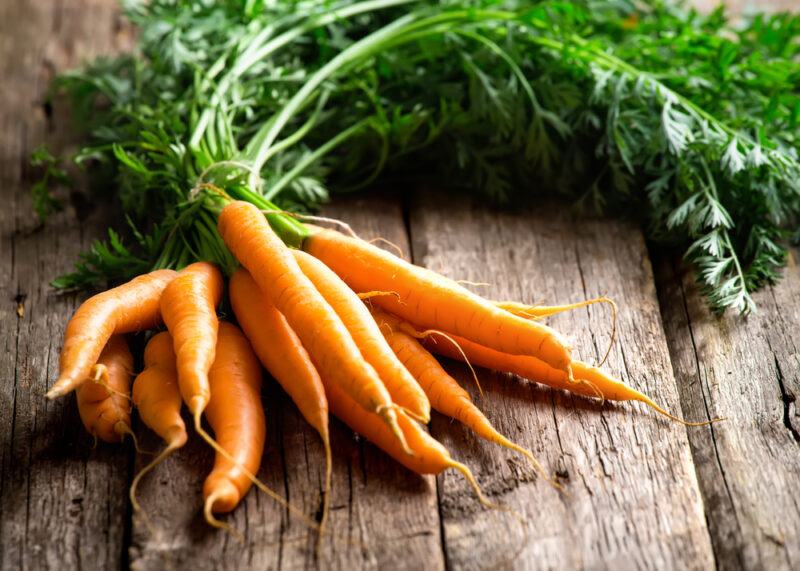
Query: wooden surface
(642,492)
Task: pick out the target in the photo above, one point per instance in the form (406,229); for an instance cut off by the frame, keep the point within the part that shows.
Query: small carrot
(104,400)
(133,306)
(430,300)
(158,400)
(283,355)
(402,386)
(236,416)
(188,306)
(446,395)
(588,381)
(251,240)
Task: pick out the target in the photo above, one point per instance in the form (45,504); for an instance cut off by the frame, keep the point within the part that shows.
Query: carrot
(282,354)
(158,400)
(236,416)
(188,306)
(251,240)
(402,386)
(124,309)
(446,395)
(103,401)
(588,381)
(433,301)
(429,457)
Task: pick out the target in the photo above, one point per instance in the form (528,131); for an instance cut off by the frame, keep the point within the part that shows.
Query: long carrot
(251,240)
(188,306)
(104,400)
(402,386)
(158,399)
(133,306)
(588,381)
(282,354)
(430,300)
(444,392)
(236,416)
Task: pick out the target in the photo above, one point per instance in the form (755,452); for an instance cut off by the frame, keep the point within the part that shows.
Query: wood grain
(746,370)
(632,496)
(62,502)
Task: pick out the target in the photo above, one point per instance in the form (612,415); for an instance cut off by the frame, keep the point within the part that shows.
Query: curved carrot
(430,300)
(280,351)
(402,386)
(446,395)
(251,240)
(158,399)
(236,416)
(133,306)
(188,306)
(103,401)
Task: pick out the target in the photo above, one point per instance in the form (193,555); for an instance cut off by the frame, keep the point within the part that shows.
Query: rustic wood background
(642,492)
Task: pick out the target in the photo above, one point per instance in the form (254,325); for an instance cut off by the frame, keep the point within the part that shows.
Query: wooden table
(642,492)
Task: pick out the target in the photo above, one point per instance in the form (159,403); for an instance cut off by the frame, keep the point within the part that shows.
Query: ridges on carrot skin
(133,306)
(251,240)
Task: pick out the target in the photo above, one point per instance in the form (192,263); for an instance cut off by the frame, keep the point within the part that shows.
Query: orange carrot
(104,400)
(433,301)
(280,351)
(251,240)
(130,307)
(188,306)
(588,381)
(158,400)
(446,395)
(236,416)
(402,386)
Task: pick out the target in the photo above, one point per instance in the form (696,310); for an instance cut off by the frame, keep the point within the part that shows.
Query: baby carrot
(104,400)
(188,306)
(158,400)
(133,306)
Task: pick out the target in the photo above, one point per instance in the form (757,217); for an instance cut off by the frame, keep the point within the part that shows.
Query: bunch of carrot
(341,324)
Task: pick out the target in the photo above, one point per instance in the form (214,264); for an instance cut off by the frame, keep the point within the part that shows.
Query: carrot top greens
(639,109)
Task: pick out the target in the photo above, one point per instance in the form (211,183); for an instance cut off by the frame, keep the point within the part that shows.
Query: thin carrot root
(413,415)
(537,312)
(398,250)
(467,473)
(124,430)
(250,476)
(503,441)
(593,387)
(310,217)
(100,377)
(377,293)
(219,524)
(428,332)
(389,414)
(649,402)
(144,471)
(326,498)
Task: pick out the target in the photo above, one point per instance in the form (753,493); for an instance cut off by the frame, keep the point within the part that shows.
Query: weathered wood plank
(62,503)
(632,496)
(746,370)
(382,516)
